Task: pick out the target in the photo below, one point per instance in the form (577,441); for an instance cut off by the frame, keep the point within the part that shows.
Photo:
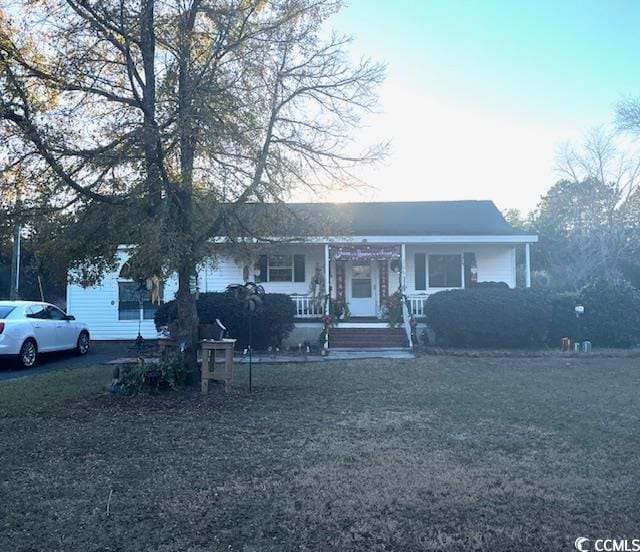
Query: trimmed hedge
(271,322)
(513,318)
(611,314)
(563,318)
(489,285)
(494,318)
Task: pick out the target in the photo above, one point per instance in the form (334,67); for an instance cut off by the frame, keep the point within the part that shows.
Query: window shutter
(469,263)
(420,266)
(261,265)
(298,268)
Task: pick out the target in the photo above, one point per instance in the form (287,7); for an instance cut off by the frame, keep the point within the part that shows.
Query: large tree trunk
(150,132)
(187,323)
(187,312)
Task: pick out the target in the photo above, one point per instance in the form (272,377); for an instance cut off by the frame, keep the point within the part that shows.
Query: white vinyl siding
(98,305)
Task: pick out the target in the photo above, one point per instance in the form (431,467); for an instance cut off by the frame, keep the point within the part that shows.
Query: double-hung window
(135,301)
(281,268)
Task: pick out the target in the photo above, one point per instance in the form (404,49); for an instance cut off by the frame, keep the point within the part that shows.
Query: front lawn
(437,453)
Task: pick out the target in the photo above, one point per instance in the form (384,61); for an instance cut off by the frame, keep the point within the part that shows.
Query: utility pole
(14,290)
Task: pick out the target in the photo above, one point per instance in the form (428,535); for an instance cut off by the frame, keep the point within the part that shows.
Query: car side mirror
(70,317)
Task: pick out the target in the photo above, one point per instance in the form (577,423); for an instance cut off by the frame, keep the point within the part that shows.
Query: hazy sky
(480,94)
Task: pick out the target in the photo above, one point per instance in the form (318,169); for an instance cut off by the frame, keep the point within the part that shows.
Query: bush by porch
(512,318)
(269,323)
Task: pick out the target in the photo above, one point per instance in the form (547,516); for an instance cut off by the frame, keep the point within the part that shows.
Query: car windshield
(5,311)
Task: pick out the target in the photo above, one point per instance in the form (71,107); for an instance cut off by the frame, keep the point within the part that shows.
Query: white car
(28,328)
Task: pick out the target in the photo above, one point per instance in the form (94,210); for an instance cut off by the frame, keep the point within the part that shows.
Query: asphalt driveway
(100,353)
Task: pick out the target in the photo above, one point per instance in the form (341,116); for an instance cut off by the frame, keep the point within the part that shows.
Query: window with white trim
(281,268)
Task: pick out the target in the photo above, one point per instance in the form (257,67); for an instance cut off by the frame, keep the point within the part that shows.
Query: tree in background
(628,122)
(36,284)
(587,222)
(578,228)
(140,120)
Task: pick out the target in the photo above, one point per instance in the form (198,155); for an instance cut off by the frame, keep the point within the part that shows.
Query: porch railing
(417,304)
(307,306)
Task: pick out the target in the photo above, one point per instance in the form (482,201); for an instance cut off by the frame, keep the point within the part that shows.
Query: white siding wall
(98,305)
(217,276)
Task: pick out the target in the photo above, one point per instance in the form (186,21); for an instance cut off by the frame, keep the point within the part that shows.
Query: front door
(361,288)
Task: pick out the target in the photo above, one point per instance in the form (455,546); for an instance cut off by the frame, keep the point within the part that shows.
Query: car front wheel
(82,348)
(28,354)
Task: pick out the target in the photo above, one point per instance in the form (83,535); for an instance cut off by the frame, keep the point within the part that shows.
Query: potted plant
(393,309)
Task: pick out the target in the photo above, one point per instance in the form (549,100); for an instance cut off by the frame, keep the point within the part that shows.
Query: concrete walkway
(259,358)
(124,353)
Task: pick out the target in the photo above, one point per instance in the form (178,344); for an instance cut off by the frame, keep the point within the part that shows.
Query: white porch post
(327,277)
(406,315)
(527,265)
(403,267)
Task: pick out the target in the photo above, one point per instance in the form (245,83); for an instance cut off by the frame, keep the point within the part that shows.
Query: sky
(480,95)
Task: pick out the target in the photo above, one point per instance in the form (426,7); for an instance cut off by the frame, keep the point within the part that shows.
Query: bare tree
(583,220)
(628,116)
(147,120)
(600,157)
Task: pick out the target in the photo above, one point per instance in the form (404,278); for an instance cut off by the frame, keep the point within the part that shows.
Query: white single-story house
(376,249)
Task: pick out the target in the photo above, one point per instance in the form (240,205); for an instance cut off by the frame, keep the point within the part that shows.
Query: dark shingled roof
(415,218)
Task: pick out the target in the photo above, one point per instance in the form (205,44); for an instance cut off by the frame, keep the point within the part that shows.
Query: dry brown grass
(433,454)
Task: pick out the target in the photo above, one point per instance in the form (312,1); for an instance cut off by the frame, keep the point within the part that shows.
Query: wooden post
(228,363)
(205,370)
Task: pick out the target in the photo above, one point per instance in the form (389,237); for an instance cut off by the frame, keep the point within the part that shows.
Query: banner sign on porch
(383,271)
(340,281)
(366,253)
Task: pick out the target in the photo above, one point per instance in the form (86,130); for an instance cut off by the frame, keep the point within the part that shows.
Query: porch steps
(367,338)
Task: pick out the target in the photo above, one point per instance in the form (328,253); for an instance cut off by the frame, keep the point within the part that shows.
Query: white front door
(361,288)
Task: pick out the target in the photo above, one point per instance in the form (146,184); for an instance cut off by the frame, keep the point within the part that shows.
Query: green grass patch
(434,454)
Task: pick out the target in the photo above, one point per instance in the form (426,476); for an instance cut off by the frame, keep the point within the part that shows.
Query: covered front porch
(363,278)
(373,282)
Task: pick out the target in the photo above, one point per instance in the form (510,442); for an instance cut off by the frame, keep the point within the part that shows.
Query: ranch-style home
(369,251)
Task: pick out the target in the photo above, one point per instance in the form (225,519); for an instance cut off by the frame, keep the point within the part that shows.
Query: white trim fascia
(515,239)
